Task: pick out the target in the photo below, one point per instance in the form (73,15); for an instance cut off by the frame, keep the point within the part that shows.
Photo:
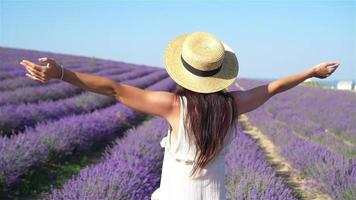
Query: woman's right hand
(324,69)
(50,70)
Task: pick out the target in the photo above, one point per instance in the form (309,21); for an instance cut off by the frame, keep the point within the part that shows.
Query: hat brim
(175,68)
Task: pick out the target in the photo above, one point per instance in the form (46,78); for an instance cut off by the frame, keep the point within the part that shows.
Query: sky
(271,39)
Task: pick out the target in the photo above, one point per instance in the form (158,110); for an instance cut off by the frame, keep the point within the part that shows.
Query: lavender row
(130,170)
(330,173)
(331,109)
(62,137)
(23,81)
(56,91)
(334,110)
(249,175)
(14,118)
(333,174)
(298,105)
(306,128)
(287,107)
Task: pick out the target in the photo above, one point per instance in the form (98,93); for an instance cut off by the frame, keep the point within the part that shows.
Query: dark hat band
(200,72)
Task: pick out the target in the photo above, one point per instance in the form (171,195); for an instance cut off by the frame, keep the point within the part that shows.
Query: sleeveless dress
(178,162)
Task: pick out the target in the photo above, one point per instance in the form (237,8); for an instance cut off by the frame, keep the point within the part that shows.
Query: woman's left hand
(42,73)
(324,69)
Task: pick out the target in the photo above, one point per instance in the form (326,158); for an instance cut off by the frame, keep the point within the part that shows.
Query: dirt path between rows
(339,138)
(281,166)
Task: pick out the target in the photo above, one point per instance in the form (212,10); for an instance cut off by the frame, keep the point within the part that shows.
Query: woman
(201,112)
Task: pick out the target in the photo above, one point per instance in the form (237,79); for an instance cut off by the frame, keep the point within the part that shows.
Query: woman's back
(178,163)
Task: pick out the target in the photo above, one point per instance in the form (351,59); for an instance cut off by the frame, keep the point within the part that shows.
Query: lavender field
(314,129)
(62,142)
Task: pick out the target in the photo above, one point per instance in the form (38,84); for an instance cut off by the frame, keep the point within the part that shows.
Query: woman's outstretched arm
(158,103)
(249,100)
(321,70)
(86,81)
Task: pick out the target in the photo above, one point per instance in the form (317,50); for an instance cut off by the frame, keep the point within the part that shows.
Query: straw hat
(200,62)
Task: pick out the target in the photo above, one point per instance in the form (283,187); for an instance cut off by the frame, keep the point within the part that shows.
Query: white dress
(178,162)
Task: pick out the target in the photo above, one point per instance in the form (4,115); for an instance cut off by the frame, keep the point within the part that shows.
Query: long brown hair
(210,115)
